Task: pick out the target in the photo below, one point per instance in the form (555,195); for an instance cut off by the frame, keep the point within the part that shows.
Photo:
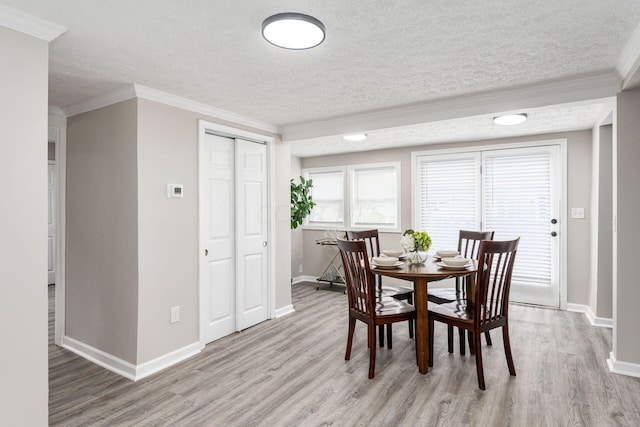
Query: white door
(516,193)
(51,175)
(233,179)
(251,191)
(522,199)
(218,299)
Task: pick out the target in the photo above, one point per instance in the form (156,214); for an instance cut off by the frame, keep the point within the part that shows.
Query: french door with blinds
(515,192)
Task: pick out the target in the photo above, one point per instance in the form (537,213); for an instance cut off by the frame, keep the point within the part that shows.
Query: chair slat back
(494,280)
(357,273)
(370,237)
(469,242)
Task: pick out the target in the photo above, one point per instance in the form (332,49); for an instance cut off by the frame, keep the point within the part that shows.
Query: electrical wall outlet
(175,314)
(577,213)
(300,268)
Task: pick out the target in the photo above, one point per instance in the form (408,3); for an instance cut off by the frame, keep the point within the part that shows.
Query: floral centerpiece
(416,244)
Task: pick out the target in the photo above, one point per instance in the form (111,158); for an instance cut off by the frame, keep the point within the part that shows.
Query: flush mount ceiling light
(293,31)
(510,119)
(356,137)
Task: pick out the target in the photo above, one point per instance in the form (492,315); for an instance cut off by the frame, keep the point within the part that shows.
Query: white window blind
(375,196)
(448,197)
(517,203)
(328,195)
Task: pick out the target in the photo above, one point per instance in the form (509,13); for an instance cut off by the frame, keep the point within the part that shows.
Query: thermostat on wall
(175,191)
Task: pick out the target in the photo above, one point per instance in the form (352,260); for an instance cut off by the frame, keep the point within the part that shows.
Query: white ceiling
(378,56)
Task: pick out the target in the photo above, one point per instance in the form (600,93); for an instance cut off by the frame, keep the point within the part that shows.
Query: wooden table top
(428,270)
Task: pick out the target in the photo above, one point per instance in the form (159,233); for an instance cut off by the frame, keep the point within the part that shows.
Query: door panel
(217,165)
(521,197)
(251,182)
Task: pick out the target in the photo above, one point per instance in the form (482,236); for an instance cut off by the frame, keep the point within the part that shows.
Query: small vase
(417,257)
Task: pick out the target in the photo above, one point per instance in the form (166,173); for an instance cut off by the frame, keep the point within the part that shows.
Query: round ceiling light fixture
(356,137)
(293,31)
(510,119)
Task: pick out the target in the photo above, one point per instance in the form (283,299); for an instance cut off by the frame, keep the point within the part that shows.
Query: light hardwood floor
(291,372)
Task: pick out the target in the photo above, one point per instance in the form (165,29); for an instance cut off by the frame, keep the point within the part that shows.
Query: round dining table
(421,275)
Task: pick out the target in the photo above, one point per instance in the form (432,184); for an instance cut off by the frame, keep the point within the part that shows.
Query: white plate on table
(396,265)
(453,267)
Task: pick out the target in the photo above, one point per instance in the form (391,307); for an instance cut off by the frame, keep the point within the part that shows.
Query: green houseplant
(301,201)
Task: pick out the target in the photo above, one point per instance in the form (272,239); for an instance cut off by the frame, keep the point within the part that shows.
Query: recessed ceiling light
(356,137)
(510,119)
(293,31)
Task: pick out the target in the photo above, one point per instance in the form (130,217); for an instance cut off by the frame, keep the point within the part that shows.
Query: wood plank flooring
(291,372)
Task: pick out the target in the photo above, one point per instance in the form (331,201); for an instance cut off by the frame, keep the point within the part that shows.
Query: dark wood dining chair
(489,308)
(372,240)
(365,303)
(468,246)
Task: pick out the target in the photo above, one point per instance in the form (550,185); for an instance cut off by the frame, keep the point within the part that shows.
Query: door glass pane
(448,199)
(518,203)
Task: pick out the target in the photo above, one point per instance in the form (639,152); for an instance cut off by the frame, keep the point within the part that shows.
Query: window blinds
(448,197)
(517,203)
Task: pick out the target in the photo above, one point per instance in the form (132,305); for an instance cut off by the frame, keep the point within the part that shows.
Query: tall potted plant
(301,201)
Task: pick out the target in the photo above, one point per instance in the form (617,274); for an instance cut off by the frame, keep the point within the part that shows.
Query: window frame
(352,171)
(327,225)
(347,179)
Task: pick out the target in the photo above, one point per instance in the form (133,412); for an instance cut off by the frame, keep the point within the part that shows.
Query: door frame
(562,142)
(59,121)
(231,132)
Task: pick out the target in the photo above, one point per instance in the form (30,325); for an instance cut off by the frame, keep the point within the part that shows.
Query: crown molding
(29,24)
(122,94)
(197,107)
(55,111)
(629,61)
(576,90)
(138,91)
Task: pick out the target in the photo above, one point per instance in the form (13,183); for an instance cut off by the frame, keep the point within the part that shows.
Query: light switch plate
(577,213)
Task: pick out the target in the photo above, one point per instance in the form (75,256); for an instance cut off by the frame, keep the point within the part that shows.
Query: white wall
(579,173)
(626,291)
(121,286)
(23,247)
(102,230)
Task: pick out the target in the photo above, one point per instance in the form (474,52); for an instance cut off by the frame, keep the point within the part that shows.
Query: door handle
(264,244)
(206,252)
(554,221)
(554,234)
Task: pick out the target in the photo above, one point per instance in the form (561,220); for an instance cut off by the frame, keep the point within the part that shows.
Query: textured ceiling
(378,54)
(475,128)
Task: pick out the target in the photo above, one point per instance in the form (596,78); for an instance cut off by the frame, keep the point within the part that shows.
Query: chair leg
(431,327)
(352,327)
(381,335)
(410,301)
(462,338)
(507,349)
(472,347)
(478,351)
(487,336)
(389,334)
(372,351)
(450,338)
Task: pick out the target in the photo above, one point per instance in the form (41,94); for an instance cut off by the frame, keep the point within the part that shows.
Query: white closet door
(218,304)
(51,174)
(251,232)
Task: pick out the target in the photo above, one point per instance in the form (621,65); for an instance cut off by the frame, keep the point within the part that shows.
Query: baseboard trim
(127,369)
(301,279)
(601,322)
(623,368)
(100,358)
(284,311)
